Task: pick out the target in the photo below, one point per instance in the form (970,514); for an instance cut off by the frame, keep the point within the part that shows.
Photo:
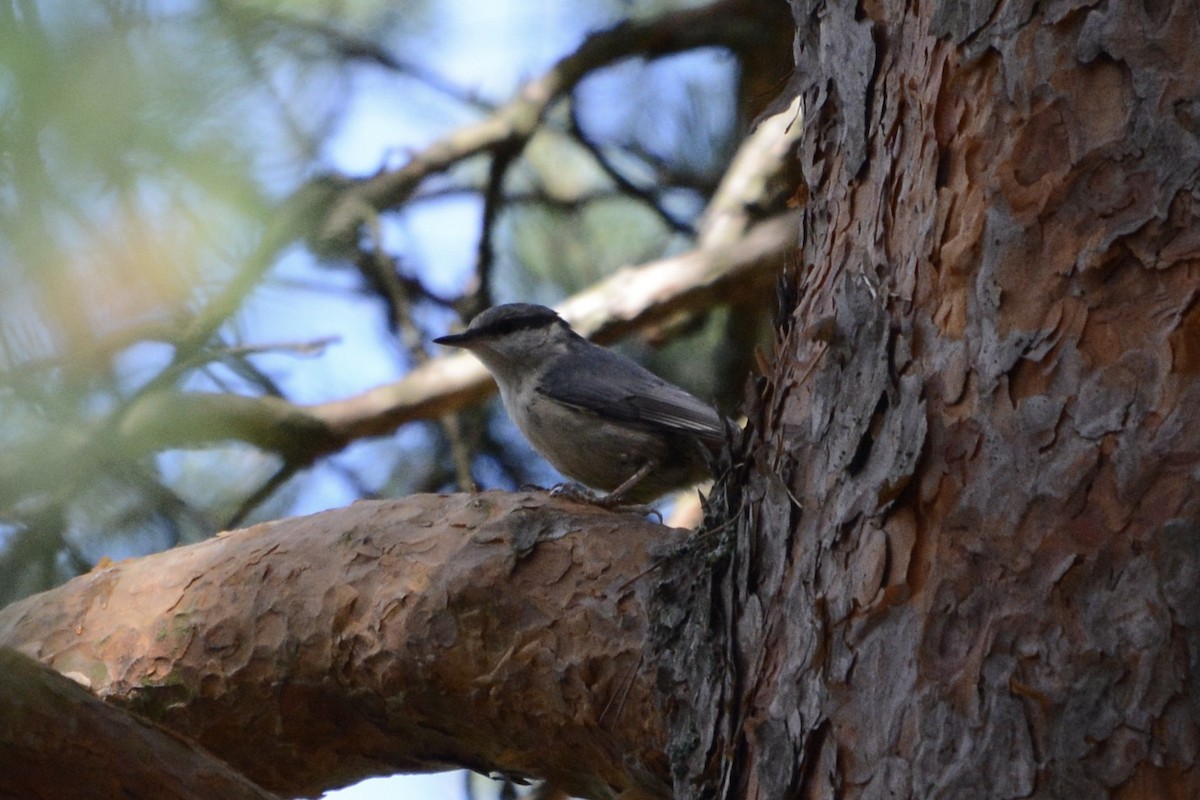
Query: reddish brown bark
(962,558)
(968,558)
(502,632)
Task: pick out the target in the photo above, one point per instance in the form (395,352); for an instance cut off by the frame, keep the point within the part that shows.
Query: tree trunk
(966,561)
(959,560)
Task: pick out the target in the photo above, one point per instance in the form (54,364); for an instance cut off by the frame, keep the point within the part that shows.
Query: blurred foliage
(146,149)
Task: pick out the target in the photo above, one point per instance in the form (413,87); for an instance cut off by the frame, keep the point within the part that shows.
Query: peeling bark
(967,553)
(502,632)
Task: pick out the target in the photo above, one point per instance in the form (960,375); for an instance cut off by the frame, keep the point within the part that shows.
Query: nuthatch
(598,417)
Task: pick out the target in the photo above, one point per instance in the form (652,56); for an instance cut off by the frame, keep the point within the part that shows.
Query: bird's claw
(573,491)
(612,501)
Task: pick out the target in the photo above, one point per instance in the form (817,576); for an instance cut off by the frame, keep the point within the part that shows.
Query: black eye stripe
(512,324)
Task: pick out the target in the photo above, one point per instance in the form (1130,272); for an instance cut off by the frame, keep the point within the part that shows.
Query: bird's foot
(613,501)
(573,491)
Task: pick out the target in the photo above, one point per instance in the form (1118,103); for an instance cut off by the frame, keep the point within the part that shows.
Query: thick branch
(499,632)
(56,740)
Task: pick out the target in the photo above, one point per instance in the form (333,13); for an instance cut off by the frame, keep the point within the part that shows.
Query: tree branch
(624,302)
(736,256)
(499,632)
(729,23)
(56,740)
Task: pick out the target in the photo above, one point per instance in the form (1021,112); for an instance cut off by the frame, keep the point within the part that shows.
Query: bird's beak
(463,339)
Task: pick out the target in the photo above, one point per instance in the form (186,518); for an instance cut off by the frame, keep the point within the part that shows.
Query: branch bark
(498,632)
(56,740)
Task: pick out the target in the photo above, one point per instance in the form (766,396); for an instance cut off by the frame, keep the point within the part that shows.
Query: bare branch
(735,258)
(648,197)
(623,303)
(480,296)
(486,631)
(728,23)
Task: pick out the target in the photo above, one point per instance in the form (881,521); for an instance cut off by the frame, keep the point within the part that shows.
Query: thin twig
(623,182)
(381,271)
(624,689)
(493,199)
(726,23)
(260,495)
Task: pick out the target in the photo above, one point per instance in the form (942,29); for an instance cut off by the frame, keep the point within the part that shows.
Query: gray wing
(611,385)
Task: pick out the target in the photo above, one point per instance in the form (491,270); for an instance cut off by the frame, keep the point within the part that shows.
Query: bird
(600,418)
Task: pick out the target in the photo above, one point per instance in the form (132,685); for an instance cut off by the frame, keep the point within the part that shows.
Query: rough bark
(963,553)
(966,560)
(502,632)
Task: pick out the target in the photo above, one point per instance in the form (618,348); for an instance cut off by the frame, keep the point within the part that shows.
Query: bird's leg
(612,500)
(615,498)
